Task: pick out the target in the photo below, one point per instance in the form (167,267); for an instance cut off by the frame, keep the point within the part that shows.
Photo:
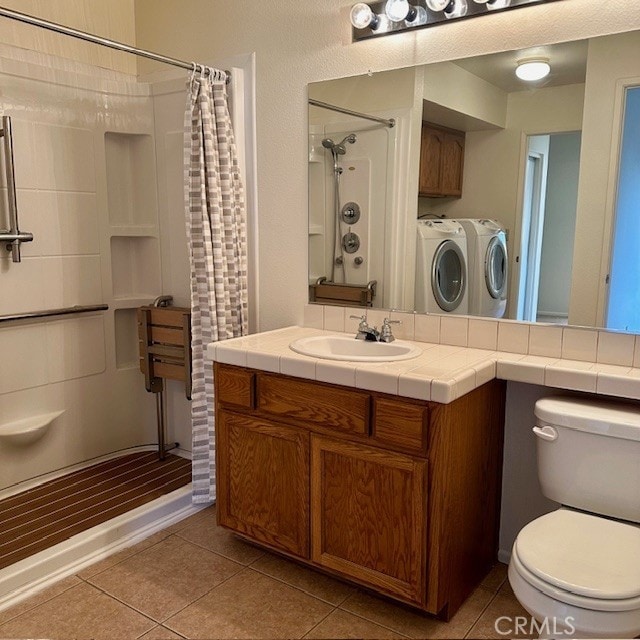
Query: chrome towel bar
(12,236)
(33,315)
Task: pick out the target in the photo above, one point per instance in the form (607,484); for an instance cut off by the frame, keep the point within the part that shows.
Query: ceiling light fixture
(533,69)
(383,17)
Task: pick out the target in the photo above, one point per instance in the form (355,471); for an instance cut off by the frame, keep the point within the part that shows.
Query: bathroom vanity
(395,494)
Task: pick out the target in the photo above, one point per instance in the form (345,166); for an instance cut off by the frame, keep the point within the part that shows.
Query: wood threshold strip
(46,515)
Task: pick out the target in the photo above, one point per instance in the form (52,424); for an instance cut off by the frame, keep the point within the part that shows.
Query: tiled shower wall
(86,188)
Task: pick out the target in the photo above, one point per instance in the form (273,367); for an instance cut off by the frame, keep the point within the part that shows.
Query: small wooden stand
(165,353)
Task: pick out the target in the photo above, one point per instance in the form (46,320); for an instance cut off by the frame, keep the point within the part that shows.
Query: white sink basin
(347,348)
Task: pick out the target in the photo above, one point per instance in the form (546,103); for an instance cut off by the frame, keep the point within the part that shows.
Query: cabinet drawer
(312,403)
(400,425)
(235,386)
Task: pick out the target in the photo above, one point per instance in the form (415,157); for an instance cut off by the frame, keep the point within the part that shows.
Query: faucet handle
(385,334)
(363,326)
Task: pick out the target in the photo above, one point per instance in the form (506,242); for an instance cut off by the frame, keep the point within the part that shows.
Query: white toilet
(577,570)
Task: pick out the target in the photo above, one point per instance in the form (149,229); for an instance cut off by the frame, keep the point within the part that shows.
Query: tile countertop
(441,373)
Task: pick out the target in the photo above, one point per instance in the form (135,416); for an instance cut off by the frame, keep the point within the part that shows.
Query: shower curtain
(216,232)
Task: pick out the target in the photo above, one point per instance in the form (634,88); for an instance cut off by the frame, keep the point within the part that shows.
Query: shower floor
(54,511)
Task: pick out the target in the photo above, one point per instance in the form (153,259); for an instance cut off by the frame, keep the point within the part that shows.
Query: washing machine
(487,252)
(441,267)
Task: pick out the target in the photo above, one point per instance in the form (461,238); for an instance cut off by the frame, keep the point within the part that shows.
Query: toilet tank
(589,454)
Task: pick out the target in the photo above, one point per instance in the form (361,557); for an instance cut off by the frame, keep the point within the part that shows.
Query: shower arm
(12,236)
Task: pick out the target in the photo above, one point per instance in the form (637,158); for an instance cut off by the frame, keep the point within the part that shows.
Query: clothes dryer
(441,267)
(488,266)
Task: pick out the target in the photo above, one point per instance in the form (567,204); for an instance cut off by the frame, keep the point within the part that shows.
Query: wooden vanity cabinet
(394,494)
(441,161)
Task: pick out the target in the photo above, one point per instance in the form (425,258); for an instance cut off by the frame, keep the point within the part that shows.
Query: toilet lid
(584,554)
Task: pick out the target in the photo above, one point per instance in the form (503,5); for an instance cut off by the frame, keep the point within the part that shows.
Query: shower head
(338,148)
(351,138)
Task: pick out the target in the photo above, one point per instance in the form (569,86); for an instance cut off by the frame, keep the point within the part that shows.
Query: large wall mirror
(489,195)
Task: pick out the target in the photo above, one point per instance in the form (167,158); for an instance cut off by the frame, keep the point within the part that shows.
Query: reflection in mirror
(490,195)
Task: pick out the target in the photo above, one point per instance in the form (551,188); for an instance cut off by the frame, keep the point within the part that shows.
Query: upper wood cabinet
(441,161)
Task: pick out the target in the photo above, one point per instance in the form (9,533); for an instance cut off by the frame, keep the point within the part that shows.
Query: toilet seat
(581,559)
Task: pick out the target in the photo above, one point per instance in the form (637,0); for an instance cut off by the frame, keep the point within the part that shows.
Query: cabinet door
(430,161)
(263,481)
(369,516)
(452,164)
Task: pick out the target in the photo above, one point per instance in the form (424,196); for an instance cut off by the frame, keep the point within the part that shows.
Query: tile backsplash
(542,343)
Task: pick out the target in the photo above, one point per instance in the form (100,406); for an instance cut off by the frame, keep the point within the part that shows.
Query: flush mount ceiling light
(533,69)
(383,17)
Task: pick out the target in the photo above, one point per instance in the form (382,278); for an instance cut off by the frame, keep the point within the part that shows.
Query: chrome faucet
(365,332)
(386,335)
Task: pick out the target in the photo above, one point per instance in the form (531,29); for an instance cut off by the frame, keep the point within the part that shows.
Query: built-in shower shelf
(28,430)
(316,230)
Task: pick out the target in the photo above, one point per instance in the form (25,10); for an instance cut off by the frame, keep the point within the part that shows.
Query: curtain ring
(193,72)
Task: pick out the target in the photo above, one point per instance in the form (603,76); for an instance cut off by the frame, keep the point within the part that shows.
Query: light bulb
(362,17)
(532,70)
(456,9)
(492,5)
(397,10)
(418,19)
(438,5)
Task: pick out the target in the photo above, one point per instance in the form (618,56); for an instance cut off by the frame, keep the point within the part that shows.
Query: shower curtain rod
(105,42)
(332,107)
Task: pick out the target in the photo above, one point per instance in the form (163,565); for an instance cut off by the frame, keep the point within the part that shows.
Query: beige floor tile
(80,612)
(495,578)
(340,624)
(500,618)
(123,554)
(166,577)
(417,625)
(39,598)
(250,605)
(205,513)
(160,633)
(314,583)
(205,532)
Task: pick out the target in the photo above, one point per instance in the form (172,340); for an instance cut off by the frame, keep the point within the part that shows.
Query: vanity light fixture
(531,69)
(384,17)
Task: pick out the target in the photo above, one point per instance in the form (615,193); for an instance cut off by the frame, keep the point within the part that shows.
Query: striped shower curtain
(216,232)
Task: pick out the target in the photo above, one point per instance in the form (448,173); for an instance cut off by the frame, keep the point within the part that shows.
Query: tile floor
(196,580)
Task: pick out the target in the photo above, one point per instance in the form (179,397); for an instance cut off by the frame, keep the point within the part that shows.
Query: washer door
(448,279)
(495,268)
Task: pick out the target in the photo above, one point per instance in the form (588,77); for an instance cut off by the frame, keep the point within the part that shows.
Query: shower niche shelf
(131,179)
(135,267)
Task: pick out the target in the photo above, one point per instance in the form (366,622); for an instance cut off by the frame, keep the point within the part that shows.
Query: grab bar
(30,315)
(13,236)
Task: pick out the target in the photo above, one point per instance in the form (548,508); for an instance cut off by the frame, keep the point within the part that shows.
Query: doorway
(548,227)
(623,301)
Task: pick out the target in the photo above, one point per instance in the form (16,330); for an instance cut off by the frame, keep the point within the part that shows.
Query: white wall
(86,189)
(113,19)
